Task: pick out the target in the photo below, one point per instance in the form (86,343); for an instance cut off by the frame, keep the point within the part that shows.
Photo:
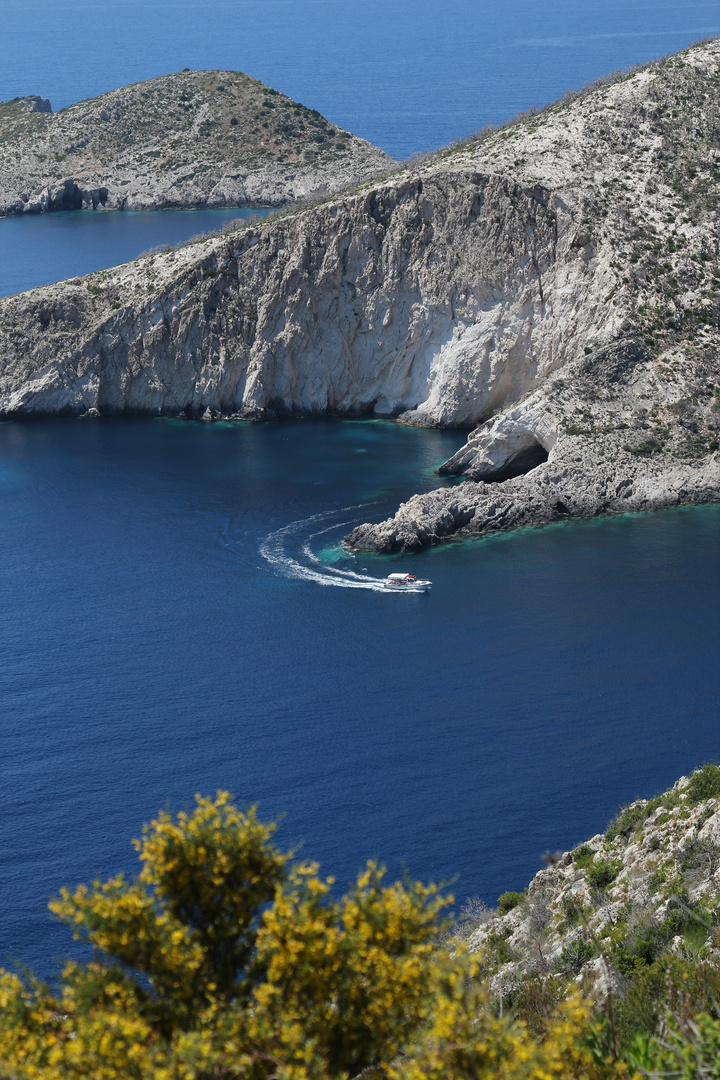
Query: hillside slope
(646,890)
(556,283)
(194,139)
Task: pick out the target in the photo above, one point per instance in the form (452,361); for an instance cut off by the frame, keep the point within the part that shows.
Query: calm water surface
(178,617)
(410,75)
(177,614)
(38,249)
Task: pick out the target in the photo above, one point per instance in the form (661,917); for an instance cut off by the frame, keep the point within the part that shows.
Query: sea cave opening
(524,461)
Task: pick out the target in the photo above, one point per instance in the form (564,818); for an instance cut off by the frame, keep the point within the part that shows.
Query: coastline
(567,317)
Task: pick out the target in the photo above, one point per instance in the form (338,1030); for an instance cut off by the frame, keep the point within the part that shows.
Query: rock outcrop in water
(195,139)
(553,285)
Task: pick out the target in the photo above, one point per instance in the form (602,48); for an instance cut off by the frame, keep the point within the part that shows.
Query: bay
(39,249)
(178,616)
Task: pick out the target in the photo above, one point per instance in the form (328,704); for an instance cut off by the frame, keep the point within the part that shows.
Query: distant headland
(185,141)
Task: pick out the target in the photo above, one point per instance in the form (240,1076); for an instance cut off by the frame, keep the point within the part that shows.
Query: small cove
(36,249)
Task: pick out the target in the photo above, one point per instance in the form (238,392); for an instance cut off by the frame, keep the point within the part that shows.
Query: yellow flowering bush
(224,959)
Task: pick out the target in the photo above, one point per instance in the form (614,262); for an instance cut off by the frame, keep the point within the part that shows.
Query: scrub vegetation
(226,957)
(195,138)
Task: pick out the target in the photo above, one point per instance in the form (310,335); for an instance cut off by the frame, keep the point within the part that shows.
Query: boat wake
(292,551)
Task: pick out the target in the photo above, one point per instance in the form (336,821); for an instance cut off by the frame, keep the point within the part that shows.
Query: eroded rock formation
(553,286)
(603,913)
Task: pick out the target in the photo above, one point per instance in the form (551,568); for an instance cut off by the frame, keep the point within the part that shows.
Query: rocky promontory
(551,287)
(190,140)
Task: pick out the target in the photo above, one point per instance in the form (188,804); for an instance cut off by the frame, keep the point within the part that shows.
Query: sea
(179,613)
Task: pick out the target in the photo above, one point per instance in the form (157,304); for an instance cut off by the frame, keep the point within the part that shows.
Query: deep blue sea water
(410,75)
(177,614)
(38,249)
(173,621)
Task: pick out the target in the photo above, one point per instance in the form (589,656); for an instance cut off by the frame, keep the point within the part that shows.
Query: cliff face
(195,139)
(420,299)
(554,283)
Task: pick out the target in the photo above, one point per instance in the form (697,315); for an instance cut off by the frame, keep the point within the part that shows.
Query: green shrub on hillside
(668,983)
(690,1050)
(574,956)
(704,784)
(602,873)
(509,900)
(583,856)
(626,821)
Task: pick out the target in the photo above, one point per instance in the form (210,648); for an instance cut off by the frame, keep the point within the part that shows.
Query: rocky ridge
(189,140)
(631,421)
(603,913)
(555,282)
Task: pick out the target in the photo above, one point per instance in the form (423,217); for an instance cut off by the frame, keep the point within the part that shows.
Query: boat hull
(420,587)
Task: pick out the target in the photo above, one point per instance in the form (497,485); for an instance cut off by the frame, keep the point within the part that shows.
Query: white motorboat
(406,583)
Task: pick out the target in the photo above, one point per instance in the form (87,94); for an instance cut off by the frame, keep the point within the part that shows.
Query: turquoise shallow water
(174,621)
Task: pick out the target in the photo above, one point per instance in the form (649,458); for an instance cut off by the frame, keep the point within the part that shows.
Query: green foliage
(189,923)
(602,873)
(574,956)
(626,821)
(509,900)
(224,960)
(690,1051)
(644,950)
(573,910)
(535,1002)
(704,784)
(583,856)
(644,449)
(695,936)
(669,984)
(498,949)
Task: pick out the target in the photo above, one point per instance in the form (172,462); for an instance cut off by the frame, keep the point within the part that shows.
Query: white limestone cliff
(543,285)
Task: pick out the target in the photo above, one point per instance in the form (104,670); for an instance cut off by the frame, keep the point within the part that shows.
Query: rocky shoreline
(553,287)
(531,466)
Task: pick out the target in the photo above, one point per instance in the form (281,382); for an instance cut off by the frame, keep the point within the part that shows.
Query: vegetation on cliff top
(190,128)
(227,958)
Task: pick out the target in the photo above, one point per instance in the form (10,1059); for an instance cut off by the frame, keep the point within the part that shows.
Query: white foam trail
(274,549)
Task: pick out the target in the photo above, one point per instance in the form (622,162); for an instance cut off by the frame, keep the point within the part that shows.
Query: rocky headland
(613,913)
(553,286)
(190,140)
